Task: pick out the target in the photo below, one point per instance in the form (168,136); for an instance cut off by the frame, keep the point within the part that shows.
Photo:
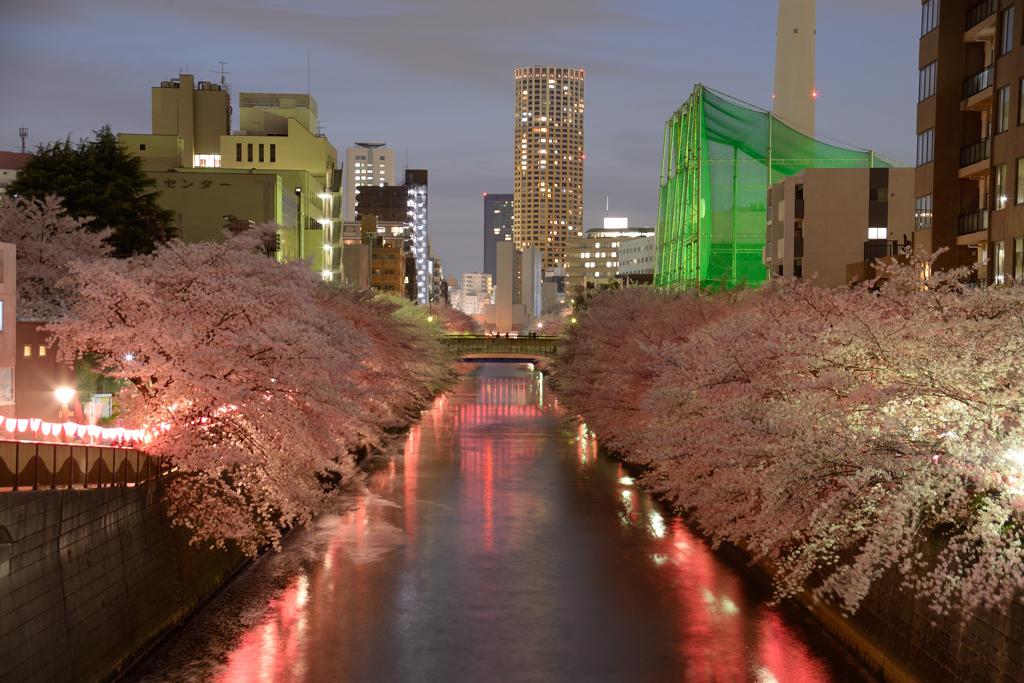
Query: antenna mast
(23,133)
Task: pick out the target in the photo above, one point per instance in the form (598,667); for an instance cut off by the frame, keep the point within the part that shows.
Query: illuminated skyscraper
(549,153)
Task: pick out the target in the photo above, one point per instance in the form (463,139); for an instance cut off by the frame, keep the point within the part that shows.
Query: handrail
(975,152)
(971,222)
(977,82)
(28,465)
(979,12)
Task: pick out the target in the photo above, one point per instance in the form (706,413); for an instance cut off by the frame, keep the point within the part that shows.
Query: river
(498,545)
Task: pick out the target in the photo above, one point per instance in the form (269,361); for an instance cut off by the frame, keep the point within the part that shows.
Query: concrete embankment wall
(89,579)
(905,641)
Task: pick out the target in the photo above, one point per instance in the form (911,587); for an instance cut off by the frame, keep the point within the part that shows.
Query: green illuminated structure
(719,157)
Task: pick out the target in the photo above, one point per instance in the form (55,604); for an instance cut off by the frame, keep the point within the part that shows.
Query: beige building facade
(832,223)
(594,258)
(367,163)
(276,167)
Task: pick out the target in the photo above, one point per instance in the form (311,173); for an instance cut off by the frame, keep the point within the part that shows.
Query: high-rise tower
(794,65)
(549,153)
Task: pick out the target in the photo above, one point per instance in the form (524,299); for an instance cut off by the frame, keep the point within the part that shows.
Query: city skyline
(642,61)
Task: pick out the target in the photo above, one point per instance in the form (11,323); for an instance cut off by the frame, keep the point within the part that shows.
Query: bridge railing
(27,465)
(518,346)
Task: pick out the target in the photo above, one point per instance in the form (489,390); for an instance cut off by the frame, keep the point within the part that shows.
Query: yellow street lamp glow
(64,395)
(574,321)
(430,318)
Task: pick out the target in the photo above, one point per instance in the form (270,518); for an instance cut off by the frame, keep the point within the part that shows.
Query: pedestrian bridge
(484,349)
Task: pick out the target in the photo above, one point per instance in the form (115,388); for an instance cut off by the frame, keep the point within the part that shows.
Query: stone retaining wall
(89,579)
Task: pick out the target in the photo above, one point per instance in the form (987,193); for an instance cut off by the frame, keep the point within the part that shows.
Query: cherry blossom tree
(256,382)
(455,321)
(46,240)
(840,433)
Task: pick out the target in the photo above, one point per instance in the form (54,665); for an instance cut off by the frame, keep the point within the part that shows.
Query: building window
(1002,201)
(238,151)
(27,351)
(261,153)
(1003,110)
(926,147)
(142,148)
(1020,180)
(929,16)
(249,149)
(6,385)
(879,194)
(923,212)
(926,82)
(273,153)
(1018,258)
(1006,44)
(42,351)
(876,233)
(998,263)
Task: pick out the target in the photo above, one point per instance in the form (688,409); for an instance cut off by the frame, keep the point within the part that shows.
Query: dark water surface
(499,547)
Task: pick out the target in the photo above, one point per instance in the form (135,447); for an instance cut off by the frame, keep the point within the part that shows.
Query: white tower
(794,65)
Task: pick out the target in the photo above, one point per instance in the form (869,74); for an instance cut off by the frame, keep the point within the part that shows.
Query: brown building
(969,185)
(834,222)
(387,203)
(39,375)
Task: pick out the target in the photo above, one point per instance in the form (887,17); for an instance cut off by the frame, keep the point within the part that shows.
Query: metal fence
(31,466)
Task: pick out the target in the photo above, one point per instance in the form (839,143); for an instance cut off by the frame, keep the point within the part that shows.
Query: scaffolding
(719,157)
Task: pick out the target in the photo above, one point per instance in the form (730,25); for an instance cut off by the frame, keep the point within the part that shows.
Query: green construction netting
(719,157)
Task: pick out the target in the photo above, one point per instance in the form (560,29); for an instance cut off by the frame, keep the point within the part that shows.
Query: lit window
(998,262)
(27,351)
(1003,110)
(1001,200)
(42,350)
(876,233)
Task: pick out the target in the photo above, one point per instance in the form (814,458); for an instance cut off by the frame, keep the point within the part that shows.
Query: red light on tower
(814,93)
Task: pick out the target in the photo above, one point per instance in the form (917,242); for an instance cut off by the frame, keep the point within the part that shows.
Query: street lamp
(64,395)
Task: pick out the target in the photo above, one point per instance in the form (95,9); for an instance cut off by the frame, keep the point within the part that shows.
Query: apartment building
(969,184)
(832,223)
(548,158)
(366,163)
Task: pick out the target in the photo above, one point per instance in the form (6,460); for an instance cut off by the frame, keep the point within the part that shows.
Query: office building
(276,167)
(388,203)
(498,215)
(969,195)
(366,163)
(549,154)
(636,256)
(832,223)
(416,185)
(594,258)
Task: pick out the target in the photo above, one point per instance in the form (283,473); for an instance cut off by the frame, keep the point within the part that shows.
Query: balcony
(976,153)
(875,249)
(977,84)
(979,12)
(972,222)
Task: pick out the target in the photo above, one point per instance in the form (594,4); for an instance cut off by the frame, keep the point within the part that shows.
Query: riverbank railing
(31,465)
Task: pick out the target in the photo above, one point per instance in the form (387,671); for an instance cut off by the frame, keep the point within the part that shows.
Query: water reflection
(501,547)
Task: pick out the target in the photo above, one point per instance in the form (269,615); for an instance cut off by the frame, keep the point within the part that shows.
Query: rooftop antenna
(23,133)
(226,87)
(307,72)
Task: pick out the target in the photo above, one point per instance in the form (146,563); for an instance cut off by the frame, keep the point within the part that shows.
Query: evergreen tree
(99,178)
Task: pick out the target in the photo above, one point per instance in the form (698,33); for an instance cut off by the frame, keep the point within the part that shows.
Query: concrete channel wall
(903,640)
(90,579)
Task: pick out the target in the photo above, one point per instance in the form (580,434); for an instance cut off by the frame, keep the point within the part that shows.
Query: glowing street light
(64,395)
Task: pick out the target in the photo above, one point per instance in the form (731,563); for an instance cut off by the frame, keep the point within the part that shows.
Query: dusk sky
(434,79)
